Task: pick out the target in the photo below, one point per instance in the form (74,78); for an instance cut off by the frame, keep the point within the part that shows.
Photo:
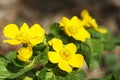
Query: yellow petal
(10,31)
(13,42)
(61,24)
(102,30)
(86,18)
(93,24)
(65,21)
(54,57)
(75,21)
(77,61)
(24,28)
(65,67)
(82,35)
(71,48)
(56,43)
(36,30)
(67,31)
(36,40)
(84,13)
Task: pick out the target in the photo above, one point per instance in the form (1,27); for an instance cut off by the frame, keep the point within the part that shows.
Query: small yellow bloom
(24,54)
(33,35)
(90,22)
(65,55)
(74,28)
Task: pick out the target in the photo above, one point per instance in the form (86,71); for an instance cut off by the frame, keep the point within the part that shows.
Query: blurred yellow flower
(65,55)
(33,35)
(24,54)
(74,28)
(91,22)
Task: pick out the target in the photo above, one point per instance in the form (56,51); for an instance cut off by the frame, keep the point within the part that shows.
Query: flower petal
(24,28)
(102,30)
(66,30)
(36,30)
(82,34)
(38,40)
(10,31)
(65,21)
(71,48)
(84,14)
(75,21)
(53,57)
(13,42)
(77,61)
(56,43)
(93,24)
(65,67)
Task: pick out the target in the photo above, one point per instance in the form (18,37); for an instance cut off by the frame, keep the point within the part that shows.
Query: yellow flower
(90,22)
(33,35)
(74,28)
(24,54)
(65,55)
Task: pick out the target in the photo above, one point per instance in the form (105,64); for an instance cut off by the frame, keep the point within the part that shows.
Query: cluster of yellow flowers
(64,55)
(75,27)
(29,36)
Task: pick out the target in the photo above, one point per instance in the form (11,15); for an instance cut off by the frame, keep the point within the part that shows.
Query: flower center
(65,54)
(23,37)
(73,29)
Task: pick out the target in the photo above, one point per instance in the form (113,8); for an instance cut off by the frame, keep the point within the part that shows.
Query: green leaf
(11,55)
(3,70)
(95,34)
(49,37)
(42,74)
(13,61)
(55,29)
(2,79)
(44,56)
(74,75)
(111,42)
(111,59)
(57,32)
(39,47)
(92,52)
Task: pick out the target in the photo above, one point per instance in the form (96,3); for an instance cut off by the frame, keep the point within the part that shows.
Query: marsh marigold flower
(65,55)
(73,28)
(91,22)
(33,35)
(24,54)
